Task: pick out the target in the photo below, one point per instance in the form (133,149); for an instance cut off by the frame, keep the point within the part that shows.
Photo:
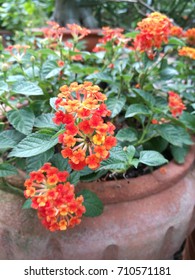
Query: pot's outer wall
(149,227)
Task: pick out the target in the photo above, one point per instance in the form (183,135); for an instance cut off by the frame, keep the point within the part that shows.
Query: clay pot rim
(123,190)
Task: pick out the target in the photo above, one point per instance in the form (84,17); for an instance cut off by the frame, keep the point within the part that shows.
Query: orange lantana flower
(154,31)
(84,103)
(187,51)
(176,105)
(54,198)
(190,35)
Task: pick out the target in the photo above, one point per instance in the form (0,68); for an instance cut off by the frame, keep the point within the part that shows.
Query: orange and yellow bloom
(187,51)
(87,138)
(54,198)
(154,31)
(175,103)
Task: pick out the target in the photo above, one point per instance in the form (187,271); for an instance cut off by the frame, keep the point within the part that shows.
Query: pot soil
(145,218)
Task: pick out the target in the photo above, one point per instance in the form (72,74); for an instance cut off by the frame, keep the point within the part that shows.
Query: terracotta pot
(146,218)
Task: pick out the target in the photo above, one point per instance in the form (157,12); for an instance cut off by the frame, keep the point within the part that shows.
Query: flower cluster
(87,138)
(53,31)
(190,35)
(77,31)
(54,198)
(187,51)
(113,35)
(154,30)
(176,31)
(175,104)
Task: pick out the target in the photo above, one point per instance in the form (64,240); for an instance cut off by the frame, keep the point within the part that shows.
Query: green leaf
(189,120)
(127,134)
(115,105)
(10,138)
(22,120)
(117,153)
(35,162)
(52,102)
(45,121)
(179,153)
(168,73)
(60,162)
(33,144)
(145,96)
(100,76)
(130,153)
(114,165)
(74,178)
(3,87)
(7,169)
(158,144)
(94,206)
(175,135)
(26,88)
(176,41)
(50,69)
(152,158)
(132,34)
(136,109)
(27,204)
(93,176)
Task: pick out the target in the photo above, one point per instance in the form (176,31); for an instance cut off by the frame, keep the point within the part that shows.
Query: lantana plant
(69,115)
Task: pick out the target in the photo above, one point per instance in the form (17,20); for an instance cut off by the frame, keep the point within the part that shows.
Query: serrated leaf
(60,162)
(117,153)
(7,169)
(115,165)
(136,109)
(26,88)
(45,121)
(55,72)
(22,120)
(179,153)
(175,135)
(152,158)
(50,69)
(94,206)
(127,134)
(33,144)
(115,105)
(74,178)
(35,162)
(27,204)
(10,138)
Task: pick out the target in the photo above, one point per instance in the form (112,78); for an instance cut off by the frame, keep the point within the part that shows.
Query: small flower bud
(4,67)
(32,59)
(2,56)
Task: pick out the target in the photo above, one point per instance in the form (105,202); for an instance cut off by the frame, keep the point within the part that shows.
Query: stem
(5,186)
(145,131)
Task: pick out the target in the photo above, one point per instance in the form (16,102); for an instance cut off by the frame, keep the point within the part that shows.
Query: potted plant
(102,143)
